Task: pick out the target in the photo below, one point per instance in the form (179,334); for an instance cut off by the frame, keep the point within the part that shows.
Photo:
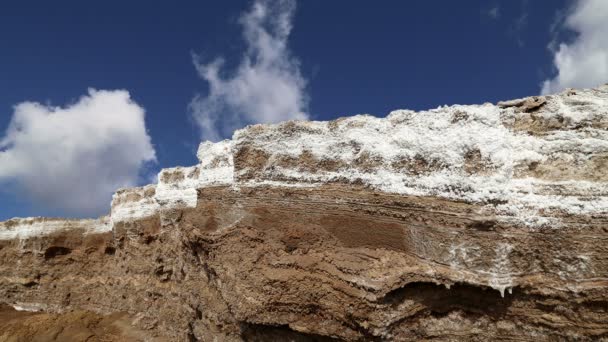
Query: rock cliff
(482,222)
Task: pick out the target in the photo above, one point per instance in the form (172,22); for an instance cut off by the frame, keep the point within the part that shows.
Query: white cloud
(584,61)
(494,12)
(72,159)
(266,87)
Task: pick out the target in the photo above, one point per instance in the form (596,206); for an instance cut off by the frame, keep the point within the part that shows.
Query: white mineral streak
(501,278)
(466,258)
(29,307)
(19,229)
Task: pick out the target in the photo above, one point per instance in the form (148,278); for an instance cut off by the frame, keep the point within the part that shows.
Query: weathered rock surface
(460,223)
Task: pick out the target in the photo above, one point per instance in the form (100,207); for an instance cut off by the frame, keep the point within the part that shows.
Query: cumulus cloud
(72,159)
(267,85)
(584,61)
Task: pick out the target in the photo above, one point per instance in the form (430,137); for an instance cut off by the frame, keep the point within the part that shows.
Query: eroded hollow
(262,333)
(440,299)
(55,251)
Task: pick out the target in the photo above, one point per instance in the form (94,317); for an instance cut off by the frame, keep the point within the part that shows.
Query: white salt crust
(177,186)
(444,136)
(134,203)
(19,229)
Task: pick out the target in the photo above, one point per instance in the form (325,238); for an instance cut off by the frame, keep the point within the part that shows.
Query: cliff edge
(463,222)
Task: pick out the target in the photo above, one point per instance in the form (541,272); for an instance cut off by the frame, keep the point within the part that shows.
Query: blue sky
(350,56)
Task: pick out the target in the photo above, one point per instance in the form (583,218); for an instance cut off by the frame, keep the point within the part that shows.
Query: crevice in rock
(252,332)
(55,251)
(439,299)
(483,225)
(30,283)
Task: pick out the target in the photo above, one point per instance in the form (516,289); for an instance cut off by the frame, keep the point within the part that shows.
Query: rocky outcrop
(465,222)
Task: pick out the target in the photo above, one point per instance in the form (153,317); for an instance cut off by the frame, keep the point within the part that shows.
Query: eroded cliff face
(464,222)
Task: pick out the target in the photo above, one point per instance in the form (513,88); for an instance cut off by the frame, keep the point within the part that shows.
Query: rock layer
(463,222)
